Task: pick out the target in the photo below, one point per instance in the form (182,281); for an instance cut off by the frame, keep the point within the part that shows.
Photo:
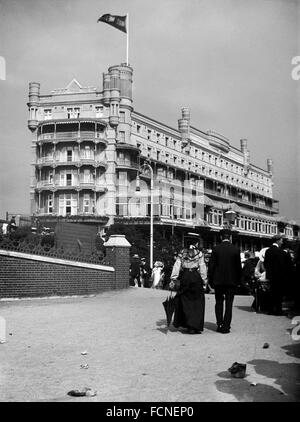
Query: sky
(229,61)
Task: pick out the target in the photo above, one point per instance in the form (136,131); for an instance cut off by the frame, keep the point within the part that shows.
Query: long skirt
(190,302)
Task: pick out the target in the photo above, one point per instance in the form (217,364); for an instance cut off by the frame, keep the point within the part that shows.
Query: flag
(118,22)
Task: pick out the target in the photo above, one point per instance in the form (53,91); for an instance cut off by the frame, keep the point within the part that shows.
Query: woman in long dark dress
(190,272)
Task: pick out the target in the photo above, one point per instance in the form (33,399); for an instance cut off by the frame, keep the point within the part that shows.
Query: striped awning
(285,220)
(208,201)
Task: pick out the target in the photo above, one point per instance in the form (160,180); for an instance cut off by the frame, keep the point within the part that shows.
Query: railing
(83,135)
(37,246)
(76,161)
(75,184)
(127,163)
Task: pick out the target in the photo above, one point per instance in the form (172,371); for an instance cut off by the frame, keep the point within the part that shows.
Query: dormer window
(73,113)
(47,114)
(99,111)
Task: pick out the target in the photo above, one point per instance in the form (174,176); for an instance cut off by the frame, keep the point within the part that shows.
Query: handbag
(263,283)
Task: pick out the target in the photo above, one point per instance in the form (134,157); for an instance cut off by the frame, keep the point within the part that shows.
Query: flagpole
(127,38)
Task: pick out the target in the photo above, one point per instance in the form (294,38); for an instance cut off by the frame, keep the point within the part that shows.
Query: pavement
(131,356)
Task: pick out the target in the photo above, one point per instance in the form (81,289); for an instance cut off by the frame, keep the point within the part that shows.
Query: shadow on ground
(293,350)
(284,375)
(163,328)
(245,308)
(210,326)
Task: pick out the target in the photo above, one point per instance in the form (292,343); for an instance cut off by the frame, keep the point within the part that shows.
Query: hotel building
(88,146)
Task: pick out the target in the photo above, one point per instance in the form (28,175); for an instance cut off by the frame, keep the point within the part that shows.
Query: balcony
(240,201)
(50,161)
(124,145)
(97,186)
(76,136)
(127,164)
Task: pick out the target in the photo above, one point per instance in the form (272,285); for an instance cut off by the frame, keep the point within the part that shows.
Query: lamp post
(230,216)
(146,166)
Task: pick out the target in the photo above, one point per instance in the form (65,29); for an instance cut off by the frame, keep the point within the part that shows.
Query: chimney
(270,166)
(184,126)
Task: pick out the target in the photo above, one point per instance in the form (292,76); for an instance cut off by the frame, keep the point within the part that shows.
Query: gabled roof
(73,86)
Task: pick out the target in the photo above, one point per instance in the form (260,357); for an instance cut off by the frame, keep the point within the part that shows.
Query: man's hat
(225,232)
(277,237)
(135,256)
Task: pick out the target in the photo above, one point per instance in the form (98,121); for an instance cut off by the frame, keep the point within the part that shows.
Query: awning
(208,201)
(285,220)
(221,205)
(236,208)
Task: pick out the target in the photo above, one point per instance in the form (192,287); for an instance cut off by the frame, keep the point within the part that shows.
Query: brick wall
(24,275)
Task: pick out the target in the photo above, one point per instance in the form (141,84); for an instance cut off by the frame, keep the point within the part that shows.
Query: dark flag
(118,22)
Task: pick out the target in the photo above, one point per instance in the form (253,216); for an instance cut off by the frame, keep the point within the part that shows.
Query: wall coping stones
(117,240)
(46,259)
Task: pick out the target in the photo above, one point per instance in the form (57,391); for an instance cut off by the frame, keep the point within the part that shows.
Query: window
(138,128)
(86,203)
(121,136)
(87,153)
(69,155)
(99,111)
(50,177)
(67,204)
(69,179)
(149,134)
(47,114)
(122,178)
(50,204)
(73,113)
(122,116)
(121,156)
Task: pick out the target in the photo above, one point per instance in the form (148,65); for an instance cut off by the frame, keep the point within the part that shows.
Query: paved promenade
(131,356)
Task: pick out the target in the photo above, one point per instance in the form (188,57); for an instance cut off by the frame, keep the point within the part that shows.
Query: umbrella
(169,305)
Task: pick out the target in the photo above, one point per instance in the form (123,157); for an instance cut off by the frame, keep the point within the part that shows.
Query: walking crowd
(271,276)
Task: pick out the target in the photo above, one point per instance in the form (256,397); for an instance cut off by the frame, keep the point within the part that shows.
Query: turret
(34,98)
(246,154)
(106,88)
(124,73)
(114,96)
(184,128)
(270,166)
(117,90)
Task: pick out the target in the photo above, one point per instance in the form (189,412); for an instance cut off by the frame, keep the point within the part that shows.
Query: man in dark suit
(224,274)
(275,264)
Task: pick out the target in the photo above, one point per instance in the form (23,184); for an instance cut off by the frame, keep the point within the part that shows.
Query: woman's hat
(135,256)
(262,253)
